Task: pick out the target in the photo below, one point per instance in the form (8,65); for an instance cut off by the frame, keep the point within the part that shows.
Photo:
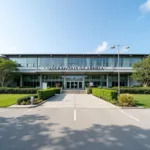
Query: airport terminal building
(74,71)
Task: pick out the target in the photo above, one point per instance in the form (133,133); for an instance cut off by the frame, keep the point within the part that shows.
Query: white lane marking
(75,115)
(129,115)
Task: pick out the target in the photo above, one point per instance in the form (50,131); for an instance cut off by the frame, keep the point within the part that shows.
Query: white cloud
(145,7)
(101,48)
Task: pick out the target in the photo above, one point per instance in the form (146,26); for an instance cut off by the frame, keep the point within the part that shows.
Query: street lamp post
(118,64)
(74,94)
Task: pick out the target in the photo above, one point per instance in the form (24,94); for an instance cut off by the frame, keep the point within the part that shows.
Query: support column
(64,82)
(128,80)
(83,83)
(107,82)
(40,81)
(21,77)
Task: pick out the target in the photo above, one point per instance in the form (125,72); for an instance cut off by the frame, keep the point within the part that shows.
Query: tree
(142,71)
(7,67)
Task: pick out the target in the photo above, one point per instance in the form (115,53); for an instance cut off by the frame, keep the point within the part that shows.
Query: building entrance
(74,85)
(74,82)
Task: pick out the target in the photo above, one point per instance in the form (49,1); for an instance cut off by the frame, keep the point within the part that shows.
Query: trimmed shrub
(25,99)
(42,95)
(57,90)
(89,90)
(134,90)
(106,94)
(126,100)
(99,87)
(45,94)
(37,101)
(6,90)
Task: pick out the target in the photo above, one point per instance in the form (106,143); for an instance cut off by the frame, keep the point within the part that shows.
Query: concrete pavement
(98,126)
(77,100)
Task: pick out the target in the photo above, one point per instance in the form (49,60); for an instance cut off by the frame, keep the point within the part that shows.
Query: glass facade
(31,80)
(30,62)
(92,69)
(98,80)
(76,61)
(126,61)
(45,62)
(51,62)
(113,80)
(74,81)
(52,80)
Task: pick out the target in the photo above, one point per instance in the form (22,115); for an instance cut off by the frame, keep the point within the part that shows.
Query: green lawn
(142,100)
(9,99)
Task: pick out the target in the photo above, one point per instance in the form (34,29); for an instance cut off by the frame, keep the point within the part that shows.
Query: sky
(74,26)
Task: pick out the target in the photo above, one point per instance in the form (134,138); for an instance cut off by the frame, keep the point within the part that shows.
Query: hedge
(41,94)
(89,90)
(6,90)
(134,90)
(25,98)
(126,100)
(45,94)
(106,94)
(57,90)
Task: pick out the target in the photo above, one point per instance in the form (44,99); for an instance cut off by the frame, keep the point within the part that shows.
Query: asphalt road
(74,122)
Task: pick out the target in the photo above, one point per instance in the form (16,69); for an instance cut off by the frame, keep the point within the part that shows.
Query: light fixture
(118,46)
(127,47)
(112,47)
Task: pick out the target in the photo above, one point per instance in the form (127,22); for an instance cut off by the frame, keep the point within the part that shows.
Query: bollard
(32,100)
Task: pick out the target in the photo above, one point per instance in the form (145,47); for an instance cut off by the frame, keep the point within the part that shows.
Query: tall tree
(142,71)
(7,67)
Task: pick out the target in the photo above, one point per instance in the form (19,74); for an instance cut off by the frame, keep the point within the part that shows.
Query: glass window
(52,61)
(87,62)
(99,62)
(58,62)
(45,62)
(93,61)
(74,78)
(96,77)
(25,61)
(124,62)
(31,80)
(134,60)
(75,62)
(108,62)
(31,62)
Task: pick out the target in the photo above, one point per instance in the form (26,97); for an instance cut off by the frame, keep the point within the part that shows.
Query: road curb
(29,106)
(115,106)
(132,107)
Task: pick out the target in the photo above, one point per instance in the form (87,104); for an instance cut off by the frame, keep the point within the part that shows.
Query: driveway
(74,122)
(76,101)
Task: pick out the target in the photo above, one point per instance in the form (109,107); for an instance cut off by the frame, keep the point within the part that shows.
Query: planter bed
(10,99)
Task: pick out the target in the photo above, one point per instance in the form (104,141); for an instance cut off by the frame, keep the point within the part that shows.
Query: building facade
(74,71)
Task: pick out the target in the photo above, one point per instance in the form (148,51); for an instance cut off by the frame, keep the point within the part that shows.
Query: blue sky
(74,26)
